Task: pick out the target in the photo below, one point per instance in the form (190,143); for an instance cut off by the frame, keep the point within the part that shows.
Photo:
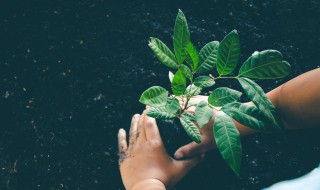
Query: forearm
(149,184)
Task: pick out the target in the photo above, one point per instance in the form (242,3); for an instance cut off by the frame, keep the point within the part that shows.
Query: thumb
(184,166)
(189,150)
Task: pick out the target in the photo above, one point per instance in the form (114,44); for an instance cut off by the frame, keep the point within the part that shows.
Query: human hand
(145,159)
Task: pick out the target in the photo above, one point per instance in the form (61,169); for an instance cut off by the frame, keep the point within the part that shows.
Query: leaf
(204,81)
(203,113)
(160,113)
(189,116)
(258,97)
(193,89)
(191,129)
(186,71)
(267,64)
(155,96)
(163,53)
(181,37)
(228,141)
(245,114)
(171,75)
(192,56)
(208,57)
(221,96)
(228,53)
(172,106)
(179,83)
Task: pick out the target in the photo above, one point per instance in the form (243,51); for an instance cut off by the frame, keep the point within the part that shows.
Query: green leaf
(204,81)
(155,96)
(247,115)
(203,113)
(193,89)
(192,56)
(179,83)
(173,105)
(189,116)
(181,37)
(186,71)
(228,141)
(228,53)
(208,57)
(258,97)
(191,129)
(163,53)
(221,96)
(267,64)
(160,113)
(171,75)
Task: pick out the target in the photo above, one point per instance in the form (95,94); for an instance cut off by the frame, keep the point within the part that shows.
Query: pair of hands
(145,161)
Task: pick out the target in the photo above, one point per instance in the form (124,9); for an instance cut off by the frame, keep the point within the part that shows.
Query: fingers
(184,166)
(141,133)
(189,150)
(122,144)
(134,130)
(151,128)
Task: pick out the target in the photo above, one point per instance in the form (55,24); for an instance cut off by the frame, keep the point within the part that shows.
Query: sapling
(189,77)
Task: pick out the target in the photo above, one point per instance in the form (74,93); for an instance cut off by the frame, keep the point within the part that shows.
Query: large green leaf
(222,96)
(186,71)
(163,53)
(203,113)
(192,56)
(189,116)
(228,141)
(179,83)
(155,96)
(245,114)
(160,113)
(258,97)
(181,37)
(267,64)
(191,129)
(172,105)
(193,90)
(204,81)
(208,57)
(228,53)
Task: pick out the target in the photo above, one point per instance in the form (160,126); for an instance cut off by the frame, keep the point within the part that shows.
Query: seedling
(191,68)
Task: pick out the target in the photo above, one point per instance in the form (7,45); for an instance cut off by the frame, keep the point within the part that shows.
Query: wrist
(148,184)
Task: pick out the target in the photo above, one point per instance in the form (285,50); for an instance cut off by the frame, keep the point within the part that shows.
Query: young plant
(189,66)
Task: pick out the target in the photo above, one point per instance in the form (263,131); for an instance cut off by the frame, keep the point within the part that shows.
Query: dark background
(71,74)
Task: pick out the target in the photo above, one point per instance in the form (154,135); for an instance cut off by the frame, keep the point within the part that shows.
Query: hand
(207,143)
(145,158)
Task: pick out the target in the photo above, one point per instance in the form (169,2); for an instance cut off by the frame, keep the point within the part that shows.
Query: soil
(71,74)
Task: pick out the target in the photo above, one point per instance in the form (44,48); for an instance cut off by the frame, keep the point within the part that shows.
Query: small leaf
(155,96)
(186,71)
(203,113)
(193,90)
(160,113)
(228,53)
(267,64)
(245,114)
(163,53)
(221,96)
(228,141)
(192,56)
(172,106)
(181,37)
(258,97)
(171,75)
(191,129)
(204,81)
(208,57)
(179,83)
(189,116)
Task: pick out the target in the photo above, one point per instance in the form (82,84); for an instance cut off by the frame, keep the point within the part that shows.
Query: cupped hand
(145,158)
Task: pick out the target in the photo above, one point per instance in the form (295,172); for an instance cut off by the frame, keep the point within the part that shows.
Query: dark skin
(144,164)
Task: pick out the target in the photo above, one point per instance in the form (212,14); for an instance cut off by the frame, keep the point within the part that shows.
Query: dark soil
(71,74)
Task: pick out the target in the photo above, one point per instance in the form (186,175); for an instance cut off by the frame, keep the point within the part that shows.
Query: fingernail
(178,155)
(136,115)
